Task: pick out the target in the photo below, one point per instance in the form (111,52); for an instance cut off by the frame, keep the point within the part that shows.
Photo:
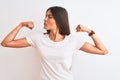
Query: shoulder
(35,36)
(78,38)
(77,35)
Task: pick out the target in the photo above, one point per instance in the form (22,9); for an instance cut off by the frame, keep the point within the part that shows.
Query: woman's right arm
(10,41)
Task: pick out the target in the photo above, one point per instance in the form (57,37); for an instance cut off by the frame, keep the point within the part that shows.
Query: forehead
(48,12)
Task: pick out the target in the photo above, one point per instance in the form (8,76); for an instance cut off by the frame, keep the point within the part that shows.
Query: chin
(46,28)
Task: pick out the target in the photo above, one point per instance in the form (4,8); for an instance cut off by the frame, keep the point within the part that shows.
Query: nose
(45,18)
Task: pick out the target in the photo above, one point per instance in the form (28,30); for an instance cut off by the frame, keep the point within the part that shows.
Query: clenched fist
(81,28)
(28,24)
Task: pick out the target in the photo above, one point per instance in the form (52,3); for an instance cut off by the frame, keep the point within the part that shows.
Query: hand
(81,28)
(28,24)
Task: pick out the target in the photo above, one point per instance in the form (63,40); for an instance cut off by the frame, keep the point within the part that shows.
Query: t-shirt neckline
(62,41)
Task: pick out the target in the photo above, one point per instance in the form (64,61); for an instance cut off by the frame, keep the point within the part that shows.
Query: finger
(31,28)
(77,29)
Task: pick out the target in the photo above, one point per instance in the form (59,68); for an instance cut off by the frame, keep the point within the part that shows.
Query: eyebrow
(49,15)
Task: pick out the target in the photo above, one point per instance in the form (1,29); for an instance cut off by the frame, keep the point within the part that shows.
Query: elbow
(105,52)
(4,44)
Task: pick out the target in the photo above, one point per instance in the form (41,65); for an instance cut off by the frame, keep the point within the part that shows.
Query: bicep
(18,43)
(89,48)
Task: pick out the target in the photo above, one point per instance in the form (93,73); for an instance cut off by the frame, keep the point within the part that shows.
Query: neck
(56,36)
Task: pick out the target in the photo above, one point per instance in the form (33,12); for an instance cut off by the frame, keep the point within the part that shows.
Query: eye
(50,16)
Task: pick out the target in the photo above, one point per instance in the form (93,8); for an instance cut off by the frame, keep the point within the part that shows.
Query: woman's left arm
(97,48)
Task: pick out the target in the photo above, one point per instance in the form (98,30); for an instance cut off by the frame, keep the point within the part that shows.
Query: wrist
(19,25)
(89,31)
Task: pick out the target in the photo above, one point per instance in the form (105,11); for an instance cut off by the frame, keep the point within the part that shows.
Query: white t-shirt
(56,57)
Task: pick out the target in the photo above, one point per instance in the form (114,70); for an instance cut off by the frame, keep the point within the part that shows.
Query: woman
(57,45)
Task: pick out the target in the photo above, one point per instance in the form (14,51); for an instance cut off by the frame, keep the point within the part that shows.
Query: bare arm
(10,41)
(97,48)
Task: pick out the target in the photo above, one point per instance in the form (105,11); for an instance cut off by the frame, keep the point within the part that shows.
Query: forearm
(98,44)
(11,36)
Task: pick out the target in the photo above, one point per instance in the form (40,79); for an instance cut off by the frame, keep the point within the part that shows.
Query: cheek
(52,24)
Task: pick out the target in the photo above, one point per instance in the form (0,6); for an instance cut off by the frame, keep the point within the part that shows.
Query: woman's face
(49,21)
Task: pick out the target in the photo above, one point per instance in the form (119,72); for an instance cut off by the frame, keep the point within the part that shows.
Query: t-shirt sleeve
(31,39)
(80,39)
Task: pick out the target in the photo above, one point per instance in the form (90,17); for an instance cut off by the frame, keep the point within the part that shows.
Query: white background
(102,16)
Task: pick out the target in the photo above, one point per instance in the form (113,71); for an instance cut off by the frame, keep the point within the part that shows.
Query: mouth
(44,23)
